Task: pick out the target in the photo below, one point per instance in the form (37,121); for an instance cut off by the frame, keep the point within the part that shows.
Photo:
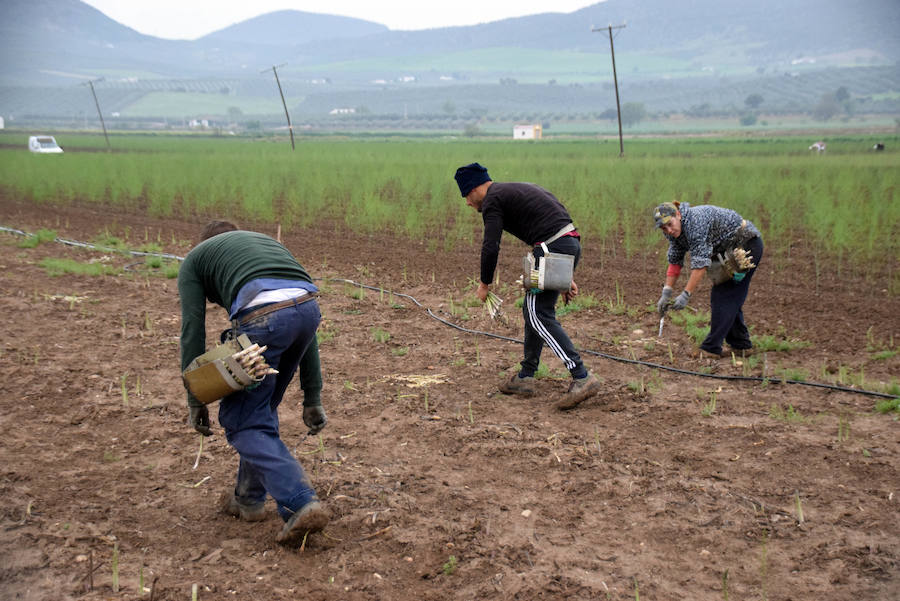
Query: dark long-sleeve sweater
(526,211)
(217,269)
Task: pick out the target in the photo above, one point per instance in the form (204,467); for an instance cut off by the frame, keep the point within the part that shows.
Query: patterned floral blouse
(706,231)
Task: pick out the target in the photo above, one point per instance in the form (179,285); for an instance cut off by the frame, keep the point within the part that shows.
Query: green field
(526,65)
(843,205)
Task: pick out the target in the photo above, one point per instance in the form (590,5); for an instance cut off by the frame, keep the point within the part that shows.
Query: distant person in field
(711,234)
(269,297)
(532,215)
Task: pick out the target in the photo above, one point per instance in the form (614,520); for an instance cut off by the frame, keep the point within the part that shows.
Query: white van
(44,145)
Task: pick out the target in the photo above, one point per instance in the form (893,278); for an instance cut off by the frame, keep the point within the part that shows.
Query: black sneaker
(519,386)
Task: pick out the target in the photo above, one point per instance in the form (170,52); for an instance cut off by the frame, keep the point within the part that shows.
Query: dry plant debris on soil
(680,487)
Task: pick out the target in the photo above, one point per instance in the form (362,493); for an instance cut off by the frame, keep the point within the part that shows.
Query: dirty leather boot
(519,386)
(249,513)
(579,390)
(312,517)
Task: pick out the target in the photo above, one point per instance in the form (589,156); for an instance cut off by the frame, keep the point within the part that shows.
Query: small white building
(2,125)
(527,132)
(341,111)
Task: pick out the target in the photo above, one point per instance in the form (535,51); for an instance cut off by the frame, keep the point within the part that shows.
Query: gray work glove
(681,301)
(740,235)
(662,305)
(314,418)
(199,420)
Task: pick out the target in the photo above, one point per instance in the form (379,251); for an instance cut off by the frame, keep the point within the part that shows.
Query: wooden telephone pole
(90,83)
(290,127)
(612,51)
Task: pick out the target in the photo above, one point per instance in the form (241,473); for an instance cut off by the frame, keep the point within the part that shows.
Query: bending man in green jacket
(270,298)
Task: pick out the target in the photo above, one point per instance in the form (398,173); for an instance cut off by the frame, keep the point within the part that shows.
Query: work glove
(740,235)
(199,420)
(662,305)
(681,301)
(314,418)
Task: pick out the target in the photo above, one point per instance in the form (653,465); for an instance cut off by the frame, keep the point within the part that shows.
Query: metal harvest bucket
(216,374)
(554,271)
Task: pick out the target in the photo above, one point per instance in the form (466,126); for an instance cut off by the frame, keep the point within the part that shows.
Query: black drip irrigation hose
(773,380)
(137,253)
(686,372)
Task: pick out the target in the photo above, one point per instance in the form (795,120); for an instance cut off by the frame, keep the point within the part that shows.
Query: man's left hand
(570,294)
(314,418)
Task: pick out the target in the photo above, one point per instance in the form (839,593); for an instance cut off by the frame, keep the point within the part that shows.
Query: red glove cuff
(673,270)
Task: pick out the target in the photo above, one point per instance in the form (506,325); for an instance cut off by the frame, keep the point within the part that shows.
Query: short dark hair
(214,228)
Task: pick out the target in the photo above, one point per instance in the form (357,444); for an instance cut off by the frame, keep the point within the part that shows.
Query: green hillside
(828,59)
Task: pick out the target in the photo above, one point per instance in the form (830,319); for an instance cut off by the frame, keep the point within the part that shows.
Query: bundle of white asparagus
(493,302)
(743,259)
(253,362)
(533,280)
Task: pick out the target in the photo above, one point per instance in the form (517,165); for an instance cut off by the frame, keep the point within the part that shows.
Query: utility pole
(616,82)
(90,82)
(290,127)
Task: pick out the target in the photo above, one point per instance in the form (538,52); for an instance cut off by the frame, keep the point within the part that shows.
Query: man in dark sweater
(533,215)
(270,298)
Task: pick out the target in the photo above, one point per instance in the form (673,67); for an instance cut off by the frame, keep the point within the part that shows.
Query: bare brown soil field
(441,488)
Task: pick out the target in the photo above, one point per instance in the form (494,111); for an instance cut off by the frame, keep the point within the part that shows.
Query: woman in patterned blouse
(709,233)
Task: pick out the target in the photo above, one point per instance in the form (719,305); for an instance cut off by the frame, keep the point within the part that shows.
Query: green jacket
(216,270)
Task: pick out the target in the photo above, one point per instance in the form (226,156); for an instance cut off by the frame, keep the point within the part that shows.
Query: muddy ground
(440,487)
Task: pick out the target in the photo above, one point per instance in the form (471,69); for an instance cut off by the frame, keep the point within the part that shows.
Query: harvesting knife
(662,319)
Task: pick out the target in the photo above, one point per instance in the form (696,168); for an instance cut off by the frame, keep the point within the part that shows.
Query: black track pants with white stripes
(541,325)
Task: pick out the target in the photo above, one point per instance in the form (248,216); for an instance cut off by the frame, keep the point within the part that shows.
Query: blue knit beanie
(469,177)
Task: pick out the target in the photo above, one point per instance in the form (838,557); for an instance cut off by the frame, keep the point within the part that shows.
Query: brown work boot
(579,390)
(249,513)
(312,517)
(519,386)
(742,352)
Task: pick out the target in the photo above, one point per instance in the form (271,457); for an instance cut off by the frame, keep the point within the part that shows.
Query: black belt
(266,309)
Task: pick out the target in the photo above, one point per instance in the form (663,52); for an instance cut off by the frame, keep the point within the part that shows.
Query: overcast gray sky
(190,19)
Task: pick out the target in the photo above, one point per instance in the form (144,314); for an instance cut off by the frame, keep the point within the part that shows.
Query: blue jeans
(541,325)
(250,417)
(726,302)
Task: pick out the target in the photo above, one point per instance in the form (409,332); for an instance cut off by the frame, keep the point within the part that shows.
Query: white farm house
(527,132)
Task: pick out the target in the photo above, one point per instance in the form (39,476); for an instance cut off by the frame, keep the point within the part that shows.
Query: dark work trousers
(541,325)
(250,417)
(726,302)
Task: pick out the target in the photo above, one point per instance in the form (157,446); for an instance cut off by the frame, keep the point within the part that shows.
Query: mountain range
(55,44)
